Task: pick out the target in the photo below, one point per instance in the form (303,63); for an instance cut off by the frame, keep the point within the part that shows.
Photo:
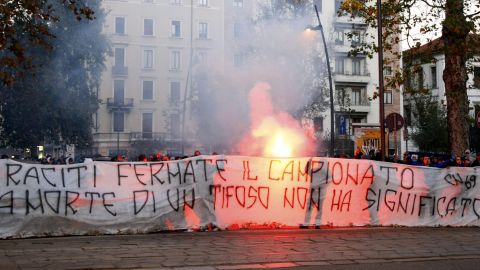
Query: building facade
(356,79)
(158,46)
(145,87)
(426,65)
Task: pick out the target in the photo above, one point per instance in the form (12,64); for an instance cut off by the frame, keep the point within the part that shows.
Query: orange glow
(308,36)
(279,141)
(273,133)
(278,148)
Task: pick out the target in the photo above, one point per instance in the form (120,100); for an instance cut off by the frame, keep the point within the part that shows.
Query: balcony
(110,137)
(147,136)
(347,76)
(174,103)
(354,99)
(119,71)
(114,104)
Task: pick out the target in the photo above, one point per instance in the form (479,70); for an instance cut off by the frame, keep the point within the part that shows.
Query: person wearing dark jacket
(427,162)
(476,162)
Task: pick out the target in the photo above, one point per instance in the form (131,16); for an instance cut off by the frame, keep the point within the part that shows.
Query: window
(120,25)
(175,60)
(237,30)
(340,95)
(476,77)
(355,39)
(148,58)
(407,113)
(203,3)
(202,57)
(147,93)
(356,120)
(118,122)
(175,124)
(433,73)
(387,71)
(147,125)
(318,124)
(338,37)
(418,79)
(356,98)
(238,59)
(339,67)
(119,57)
(176,29)
(203,30)
(175,92)
(148,27)
(356,66)
(118,91)
(238,3)
(388,97)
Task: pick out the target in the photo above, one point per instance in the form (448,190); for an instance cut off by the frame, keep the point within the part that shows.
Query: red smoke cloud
(273,133)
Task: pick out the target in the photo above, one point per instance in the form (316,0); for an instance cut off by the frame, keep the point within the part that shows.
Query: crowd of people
(159,156)
(58,161)
(437,161)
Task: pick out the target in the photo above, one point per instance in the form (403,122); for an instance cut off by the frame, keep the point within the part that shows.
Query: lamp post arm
(318,16)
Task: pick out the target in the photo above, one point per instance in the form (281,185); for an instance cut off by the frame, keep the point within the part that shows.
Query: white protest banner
(139,197)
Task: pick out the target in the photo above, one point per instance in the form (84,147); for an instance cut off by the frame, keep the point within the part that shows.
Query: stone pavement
(223,250)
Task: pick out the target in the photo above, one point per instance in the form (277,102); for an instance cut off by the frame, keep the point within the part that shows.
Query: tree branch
(473,14)
(426,2)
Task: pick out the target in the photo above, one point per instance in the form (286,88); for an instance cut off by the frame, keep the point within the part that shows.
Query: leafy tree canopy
(56,100)
(431,124)
(24,23)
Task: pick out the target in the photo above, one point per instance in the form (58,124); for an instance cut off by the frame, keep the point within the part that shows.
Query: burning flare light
(273,134)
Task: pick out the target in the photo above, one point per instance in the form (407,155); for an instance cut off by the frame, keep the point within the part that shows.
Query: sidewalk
(223,250)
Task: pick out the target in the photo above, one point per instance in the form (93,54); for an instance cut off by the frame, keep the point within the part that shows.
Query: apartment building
(145,88)
(427,64)
(158,45)
(355,78)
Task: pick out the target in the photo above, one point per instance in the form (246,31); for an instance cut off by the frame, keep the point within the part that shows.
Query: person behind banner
(358,153)
(467,162)
(142,157)
(405,159)
(427,161)
(476,162)
(457,162)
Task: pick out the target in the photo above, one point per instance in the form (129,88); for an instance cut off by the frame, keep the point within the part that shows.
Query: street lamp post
(189,80)
(332,110)
(380,80)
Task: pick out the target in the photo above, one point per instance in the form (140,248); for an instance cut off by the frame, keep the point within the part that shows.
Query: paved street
(339,249)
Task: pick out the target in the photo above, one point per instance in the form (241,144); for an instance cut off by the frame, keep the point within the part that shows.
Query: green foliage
(27,23)
(56,96)
(430,122)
